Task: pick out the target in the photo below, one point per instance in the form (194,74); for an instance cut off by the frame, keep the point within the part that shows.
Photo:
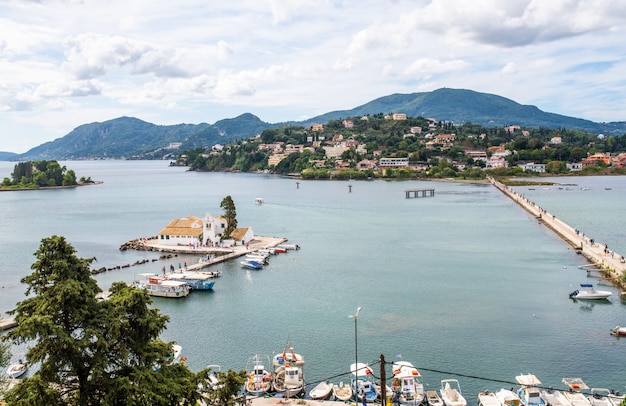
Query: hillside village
(395,145)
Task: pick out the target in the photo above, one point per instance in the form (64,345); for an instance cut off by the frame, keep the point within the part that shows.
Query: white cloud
(509,69)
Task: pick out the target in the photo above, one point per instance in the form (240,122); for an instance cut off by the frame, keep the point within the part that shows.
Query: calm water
(463,283)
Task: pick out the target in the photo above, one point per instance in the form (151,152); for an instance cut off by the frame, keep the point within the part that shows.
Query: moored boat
(195,280)
(321,391)
(433,399)
(553,397)
(573,395)
(251,265)
(288,372)
(600,397)
(618,331)
(508,397)
(17,369)
(406,383)
(259,379)
(529,392)
(364,389)
(451,393)
(487,398)
(156,286)
(588,292)
(342,392)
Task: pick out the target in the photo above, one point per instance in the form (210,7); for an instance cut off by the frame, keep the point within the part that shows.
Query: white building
(531,166)
(393,162)
(192,230)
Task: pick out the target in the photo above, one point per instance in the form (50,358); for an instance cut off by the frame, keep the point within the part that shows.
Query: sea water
(465,284)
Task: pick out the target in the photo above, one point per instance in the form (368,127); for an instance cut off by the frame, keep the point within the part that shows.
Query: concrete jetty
(596,253)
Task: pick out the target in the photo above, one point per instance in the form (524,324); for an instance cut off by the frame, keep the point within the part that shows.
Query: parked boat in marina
(451,393)
(259,379)
(361,386)
(321,391)
(600,397)
(553,397)
(487,398)
(573,395)
(156,286)
(251,264)
(529,392)
(508,398)
(342,392)
(288,372)
(17,369)
(588,292)
(195,280)
(406,382)
(433,399)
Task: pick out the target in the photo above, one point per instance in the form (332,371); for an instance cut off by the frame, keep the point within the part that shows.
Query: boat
(195,280)
(288,372)
(259,378)
(487,398)
(587,292)
(174,355)
(321,391)
(262,259)
(553,397)
(451,393)
(289,246)
(342,392)
(529,392)
(406,383)
(433,399)
(600,397)
(17,369)
(573,395)
(252,264)
(508,398)
(364,389)
(159,287)
(618,331)
(259,201)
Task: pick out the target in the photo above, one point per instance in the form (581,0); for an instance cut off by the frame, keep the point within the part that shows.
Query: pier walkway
(596,253)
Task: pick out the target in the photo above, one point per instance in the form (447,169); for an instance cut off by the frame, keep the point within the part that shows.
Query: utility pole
(383,381)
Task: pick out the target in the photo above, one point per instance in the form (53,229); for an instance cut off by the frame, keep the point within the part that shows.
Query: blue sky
(64,63)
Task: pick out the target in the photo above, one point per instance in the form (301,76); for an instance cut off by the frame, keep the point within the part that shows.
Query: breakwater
(600,255)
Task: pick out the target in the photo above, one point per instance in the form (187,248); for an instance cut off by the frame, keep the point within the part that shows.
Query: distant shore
(9,189)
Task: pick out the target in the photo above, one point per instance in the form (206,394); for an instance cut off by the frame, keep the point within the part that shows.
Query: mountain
(128,137)
(8,156)
(461,106)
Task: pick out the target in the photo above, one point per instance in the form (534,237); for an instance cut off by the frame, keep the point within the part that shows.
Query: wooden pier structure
(410,193)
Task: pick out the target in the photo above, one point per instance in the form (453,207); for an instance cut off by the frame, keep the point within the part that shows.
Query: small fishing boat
(588,292)
(554,397)
(451,393)
(195,280)
(321,391)
(618,331)
(259,379)
(600,397)
(342,392)
(288,372)
(573,395)
(487,398)
(289,246)
(260,258)
(17,369)
(363,387)
(159,287)
(406,383)
(433,399)
(259,201)
(529,392)
(508,398)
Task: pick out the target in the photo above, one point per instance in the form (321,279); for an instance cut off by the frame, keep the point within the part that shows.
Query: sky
(64,63)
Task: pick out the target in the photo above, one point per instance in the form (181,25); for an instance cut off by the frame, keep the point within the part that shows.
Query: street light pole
(355,316)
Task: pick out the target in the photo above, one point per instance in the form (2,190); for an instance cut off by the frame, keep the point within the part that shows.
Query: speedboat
(588,292)
(554,397)
(433,399)
(342,392)
(487,398)
(451,393)
(508,398)
(252,264)
(364,388)
(321,391)
(600,397)
(17,369)
(288,373)
(573,395)
(259,379)
(529,392)
(406,383)
(618,331)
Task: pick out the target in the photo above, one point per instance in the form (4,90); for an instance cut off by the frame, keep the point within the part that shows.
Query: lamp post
(355,316)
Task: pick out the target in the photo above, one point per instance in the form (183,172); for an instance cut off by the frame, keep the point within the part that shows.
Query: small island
(44,174)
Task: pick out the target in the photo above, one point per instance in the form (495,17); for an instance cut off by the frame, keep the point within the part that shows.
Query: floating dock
(414,193)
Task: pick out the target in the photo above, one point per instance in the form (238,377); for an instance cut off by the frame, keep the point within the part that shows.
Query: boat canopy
(527,380)
(361,369)
(575,383)
(172,284)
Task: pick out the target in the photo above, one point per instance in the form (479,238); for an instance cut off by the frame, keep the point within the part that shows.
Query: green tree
(91,352)
(230,214)
(69,179)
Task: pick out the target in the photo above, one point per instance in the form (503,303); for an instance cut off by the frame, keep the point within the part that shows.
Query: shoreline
(23,189)
(610,262)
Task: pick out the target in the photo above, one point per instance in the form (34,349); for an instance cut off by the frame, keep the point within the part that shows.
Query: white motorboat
(259,379)
(406,382)
(342,392)
(554,397)
(573,395)
(433,399)
(451,393)
(259,201)
(321,391)
(361,385)
(174,356)
(159,287)
(588,292)
(508,398)
(618,331)
(487,398)
(17,369)
(600,397)
(252,265)
(529,392)
(288,372)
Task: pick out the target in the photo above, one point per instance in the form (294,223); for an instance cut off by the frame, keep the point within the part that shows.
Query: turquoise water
(465,282)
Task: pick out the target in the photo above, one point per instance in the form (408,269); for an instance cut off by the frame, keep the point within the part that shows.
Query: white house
(192,230)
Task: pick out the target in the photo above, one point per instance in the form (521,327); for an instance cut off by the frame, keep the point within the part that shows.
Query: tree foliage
(92,352)
(34,174)
(230,214)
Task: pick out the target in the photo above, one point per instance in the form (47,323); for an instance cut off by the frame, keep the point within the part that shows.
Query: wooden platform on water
(414,193)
